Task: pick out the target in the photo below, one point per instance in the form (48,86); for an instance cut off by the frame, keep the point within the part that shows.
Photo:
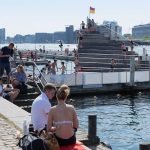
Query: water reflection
(121,121)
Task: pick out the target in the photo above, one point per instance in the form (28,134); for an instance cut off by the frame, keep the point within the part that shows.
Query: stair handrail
(36,81)
(36,76)
(119,34)
(39,71)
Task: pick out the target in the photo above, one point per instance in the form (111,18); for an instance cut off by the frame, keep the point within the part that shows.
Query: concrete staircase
(96,52)
(25,100)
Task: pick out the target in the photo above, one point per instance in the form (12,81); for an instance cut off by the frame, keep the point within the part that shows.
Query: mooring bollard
(144,146)
(92,127)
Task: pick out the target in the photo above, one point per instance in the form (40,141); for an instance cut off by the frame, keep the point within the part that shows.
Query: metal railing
(37,75)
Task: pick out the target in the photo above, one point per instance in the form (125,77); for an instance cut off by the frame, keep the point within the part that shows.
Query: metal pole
(33,72)
(92,127)
(75,77)
(144,146)
(132,70)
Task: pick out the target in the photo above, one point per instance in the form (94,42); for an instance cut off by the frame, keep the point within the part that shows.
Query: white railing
(93,78)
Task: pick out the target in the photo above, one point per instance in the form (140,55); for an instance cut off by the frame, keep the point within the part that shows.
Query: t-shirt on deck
(6,51)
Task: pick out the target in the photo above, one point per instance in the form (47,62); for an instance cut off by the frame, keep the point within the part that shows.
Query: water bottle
(25,128)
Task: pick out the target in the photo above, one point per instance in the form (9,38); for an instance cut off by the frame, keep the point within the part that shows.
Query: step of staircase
(26,108)
(111,56)
(107,65)
(27,96)
(24,102)
(101,51)
(102,47)
(100,60)
(102,69)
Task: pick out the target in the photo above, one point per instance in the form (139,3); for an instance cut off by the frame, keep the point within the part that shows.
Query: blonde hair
(63,92)
(21,68)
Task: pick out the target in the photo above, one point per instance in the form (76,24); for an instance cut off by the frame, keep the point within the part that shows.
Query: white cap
(1,89)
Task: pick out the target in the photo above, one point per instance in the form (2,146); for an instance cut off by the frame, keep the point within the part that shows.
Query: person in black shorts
(5,53)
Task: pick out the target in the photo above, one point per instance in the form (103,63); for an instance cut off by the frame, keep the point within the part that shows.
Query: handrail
(119,34)
(35,74)
(39,71)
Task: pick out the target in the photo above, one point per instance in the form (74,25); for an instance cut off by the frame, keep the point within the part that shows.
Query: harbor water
(122,121)
(55,47)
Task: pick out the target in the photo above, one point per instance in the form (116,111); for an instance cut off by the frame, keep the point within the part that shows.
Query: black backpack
(31,142)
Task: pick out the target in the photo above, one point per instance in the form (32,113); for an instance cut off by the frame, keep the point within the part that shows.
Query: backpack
(31,142)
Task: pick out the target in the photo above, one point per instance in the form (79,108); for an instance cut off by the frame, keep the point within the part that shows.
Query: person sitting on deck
(113,64)
(62,118)
(18,79)
(124,49)
(41,106)
(7,93)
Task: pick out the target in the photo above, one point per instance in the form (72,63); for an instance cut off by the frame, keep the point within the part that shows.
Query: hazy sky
(30,16)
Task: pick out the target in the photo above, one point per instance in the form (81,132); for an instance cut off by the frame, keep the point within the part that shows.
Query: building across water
(141,31)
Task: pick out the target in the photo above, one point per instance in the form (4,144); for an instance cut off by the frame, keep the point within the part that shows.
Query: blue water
(33,46)
(122,122)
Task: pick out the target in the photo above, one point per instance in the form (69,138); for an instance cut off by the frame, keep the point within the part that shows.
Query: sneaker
(30,75)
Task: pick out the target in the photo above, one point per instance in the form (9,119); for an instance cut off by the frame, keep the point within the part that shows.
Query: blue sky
(30,16)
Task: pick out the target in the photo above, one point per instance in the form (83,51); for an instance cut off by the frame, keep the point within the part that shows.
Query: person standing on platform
(124,49)
(54,67)
(5,53)
(41,107)
(131,45)
(32,56)
(63,68)
(83,25)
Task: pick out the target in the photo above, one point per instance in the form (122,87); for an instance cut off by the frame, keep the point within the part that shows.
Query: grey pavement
(11,120)
(8,132)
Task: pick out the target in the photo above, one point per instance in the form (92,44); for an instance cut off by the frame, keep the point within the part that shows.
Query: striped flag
(92,10)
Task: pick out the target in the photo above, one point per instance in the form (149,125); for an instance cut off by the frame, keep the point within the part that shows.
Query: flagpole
(89,8)
(89,12)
